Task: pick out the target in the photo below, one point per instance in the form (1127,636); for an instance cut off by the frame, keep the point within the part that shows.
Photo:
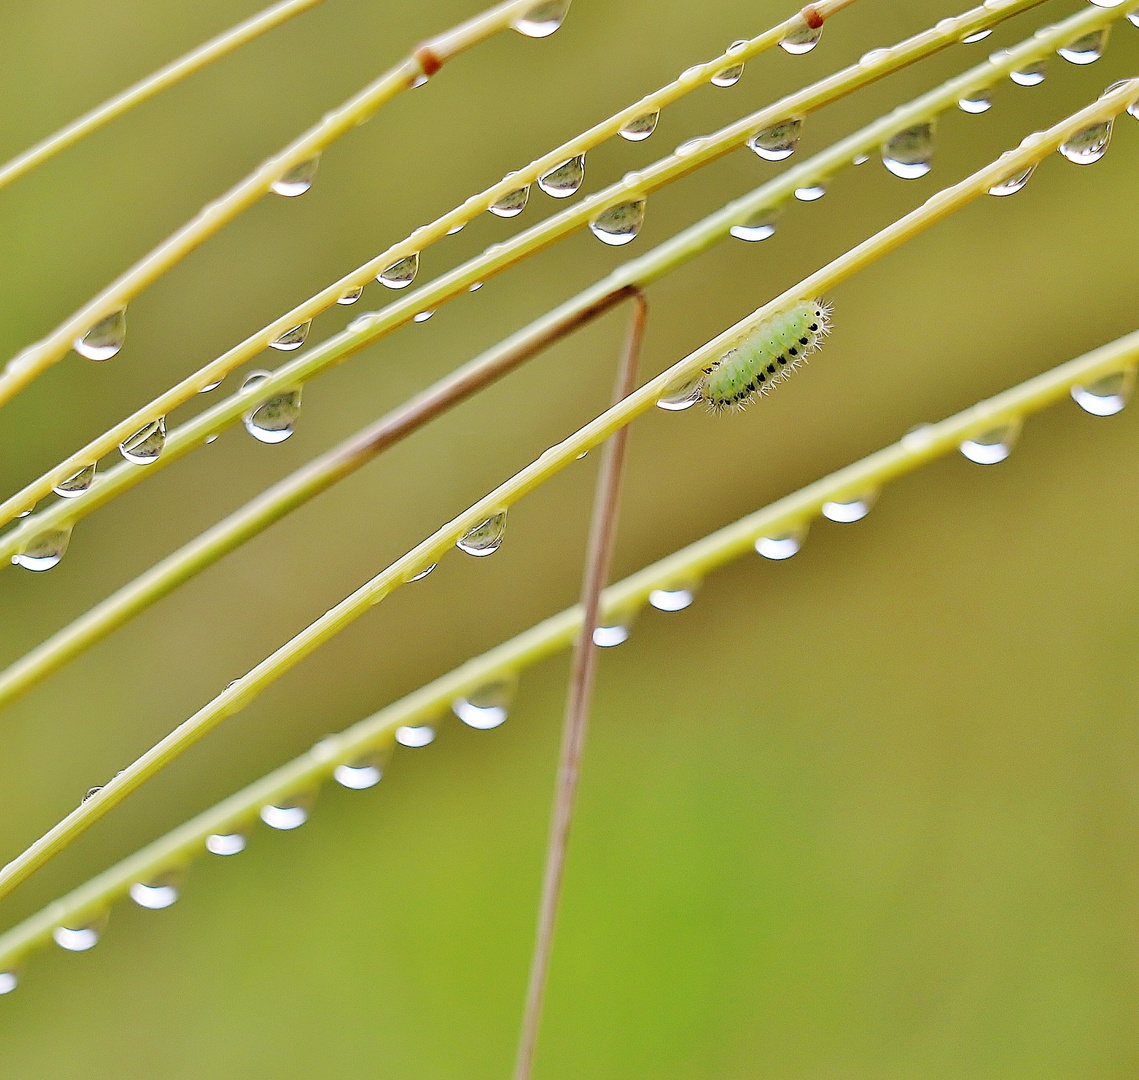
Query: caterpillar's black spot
(771,369)
(815,326)
(762,377)
(708,370)
(783,360)
(793,351)
(803,341)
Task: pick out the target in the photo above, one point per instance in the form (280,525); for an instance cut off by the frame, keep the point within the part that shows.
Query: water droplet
(76,485)
(486,707)
(363,322)
(640,127)
(146,444)
(563,181)
(423,316)
(44,551)
(210,439)
(212,386)
(400,274)
(542,19)
(77,939)
(1031,74)
(419,80)
(810,193)
(690,146)
(105,338)
(989,447)
(420,735)
(91,791)
(1086,49)
(802,39)
(976,101)
(512,203)
(908,153)
(848,510)
(672,599)
(362,773)
(729,76)
(619,224)
(873,58)
(860,159)
(8,982)
(484,539)
(1107,3)
(777,142)
(1010,185)
(422,574)
(351,296)
(759,226)
(155,895)
(606,637)
(1089,145)
(782,546)
(286,815)
(291,339)
(272,421)
(681,396)
(25,513)
(1105,396)
(298,179)
(225,843)
(1133,18)
(977,35)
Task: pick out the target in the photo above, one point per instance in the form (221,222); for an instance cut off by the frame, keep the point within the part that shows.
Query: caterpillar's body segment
(766,356)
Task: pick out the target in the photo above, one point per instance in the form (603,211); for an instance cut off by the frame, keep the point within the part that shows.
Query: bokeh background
(870,813)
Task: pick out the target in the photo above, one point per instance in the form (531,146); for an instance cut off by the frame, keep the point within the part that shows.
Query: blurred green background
(867,814)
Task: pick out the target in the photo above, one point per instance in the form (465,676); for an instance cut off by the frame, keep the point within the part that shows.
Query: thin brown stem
(599,556)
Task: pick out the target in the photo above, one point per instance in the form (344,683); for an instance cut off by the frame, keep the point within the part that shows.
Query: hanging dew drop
(484,539)
(225,843)
(778,142)
(1106,396)
(211,386)
(1030,75)
(76,939)
(619,224)
(272,421)
(909,153)
(563,181)
(1106,3)
(76,485)
(782,546)
(730,75)
(759,226)
(640,127)
(415,736)
(401,273)
(860,159)
(991,447)
(8,982)
(672,599)
(608,637)
(293,338)
(44,551)
(297,180)
(360,774)
(978,35)
(810,193)
(105,338)
(802,39)
(154,895)
(849,510)
(423,316)
(488,706)
(351,296)
(1089,145)
(146,444)
(680,397)
(286,815)
(542,19)
(511,204)
(1011,184)
(975,101)
(1086,49)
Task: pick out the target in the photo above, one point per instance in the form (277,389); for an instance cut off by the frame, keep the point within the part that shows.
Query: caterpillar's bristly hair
(766,357)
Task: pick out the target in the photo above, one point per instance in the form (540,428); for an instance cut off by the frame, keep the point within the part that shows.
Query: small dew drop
(690,146)
(730,75)
(44,551)
(154,895)
(607,637)
(777,142)
(542,19)
(298,179)
(512,203)
(640,127)
(8,981)
(564,180)
(422,574)
(77,484)
(873,58)
(1086,49)
(860,159)
(909,153)
(848,510)
(105,338)
(810,193)
(975,101)
(285,816)
(456,228)
(759,226)
(423,316)
(1133,18)
(400,274)
(488,706)
(1089,145)
(1030,75)
(683,396)
(360,774)
(672,599)
(618,225)
(1105,396)
(76,939)
(293,338)
(1106,3)
(484,539)
(225,843)
(782,546)
(802,39)
(351,296)
(421,735)
(363,323)
(978,35)
(991,447)
(272,421)
(1010,185)
(145,445)
(211,386)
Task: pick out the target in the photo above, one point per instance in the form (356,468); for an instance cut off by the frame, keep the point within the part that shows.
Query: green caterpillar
(766,356)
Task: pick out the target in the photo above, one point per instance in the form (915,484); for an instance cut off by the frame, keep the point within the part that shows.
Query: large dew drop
(619,224)
(730,75)
(681,396)
(293,338)
(145,445)
(77,484)
(608,637)
(640,127)
(286,815)
(975,101)
(1031,74)
(488,706)
(1012,183)
(542,19)
(77,939)
(225,843)
(400,274)
(1086,49)
(563,181)
(802,39)
(415,736)
(759,226)
(1089,145)
(1105,396)
(511,204)
(676,599)
(777,142)
(298,179)
(362,773)
(908,153)
(351,296)
(44,551)
(782,546)
(155,895)
(272,421)
(486,538)
(991,447)
(105,338)
(849,510)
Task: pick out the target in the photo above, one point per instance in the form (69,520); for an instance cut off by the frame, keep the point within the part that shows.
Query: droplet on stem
(1031,74)
(675,599)
(1107,395)
(360,774)
(845,511)
(618,225)
(777,142)
(8,981)
(640,127)
(225,843)
(157,894)
(977,35)
(297,180)
(908,153)
(485,538)
(76,484)
(511,204)
(415,735)
(811,192)
(422,574)
(681,396)
(105,338)
(78,938)
(802,39)
(146,444)
(44,551)
(975,101)
(993,446)
(293,338)
(1089,145)
(486,707)
(272,421)
(351,296)
(1012,183)
(607,637)
(759,226)
(564,180)
(1086,49)
(730,75)
(401,273)
(285,815)
(542,19)
(782,546)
